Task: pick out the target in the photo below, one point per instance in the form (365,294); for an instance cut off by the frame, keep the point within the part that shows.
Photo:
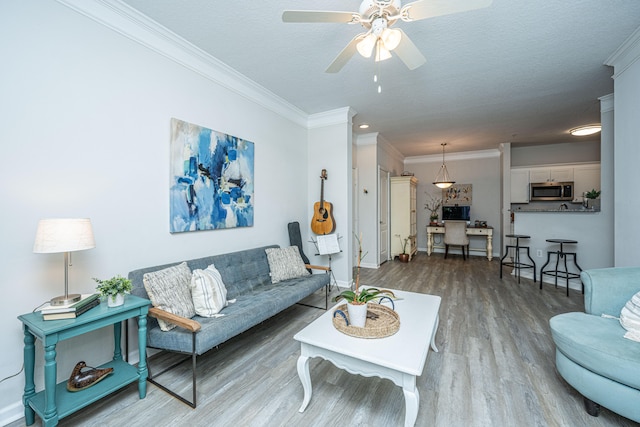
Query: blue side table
(55,402)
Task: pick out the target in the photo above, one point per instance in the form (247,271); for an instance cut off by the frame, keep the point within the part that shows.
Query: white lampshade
(63,235)
(391,38)
(365,46)
(382,53)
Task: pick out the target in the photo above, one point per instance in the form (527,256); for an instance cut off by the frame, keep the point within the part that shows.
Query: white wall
(86,116)
(627,150)
(368,202)
(373,153)
(330,147)
(543,154)
(482,170)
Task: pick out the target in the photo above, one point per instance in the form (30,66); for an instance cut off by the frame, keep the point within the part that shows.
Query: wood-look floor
(495,366)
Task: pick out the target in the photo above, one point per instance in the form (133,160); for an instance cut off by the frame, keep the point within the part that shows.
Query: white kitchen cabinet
(403,214)
(551,174)
(585,178)
(539,175)
(561,175)
(519,185)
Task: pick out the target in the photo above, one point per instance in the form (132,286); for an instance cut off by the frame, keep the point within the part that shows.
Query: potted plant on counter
(114,289)
(358,299)
(591,199)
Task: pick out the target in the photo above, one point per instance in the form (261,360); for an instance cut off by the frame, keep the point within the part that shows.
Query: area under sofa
(246,275)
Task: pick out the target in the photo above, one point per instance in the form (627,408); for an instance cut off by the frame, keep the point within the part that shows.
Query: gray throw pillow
(285,263)
(169,290)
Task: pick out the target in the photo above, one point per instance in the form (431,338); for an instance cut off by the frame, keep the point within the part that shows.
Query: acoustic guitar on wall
(322,222)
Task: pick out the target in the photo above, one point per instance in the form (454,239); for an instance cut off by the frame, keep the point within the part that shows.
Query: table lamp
(64,235)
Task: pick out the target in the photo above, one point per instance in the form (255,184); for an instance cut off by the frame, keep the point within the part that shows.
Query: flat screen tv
(458,213)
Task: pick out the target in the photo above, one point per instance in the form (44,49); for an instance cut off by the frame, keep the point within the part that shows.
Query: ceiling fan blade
(319,16)
(408,52)
(346,54)
(423,9)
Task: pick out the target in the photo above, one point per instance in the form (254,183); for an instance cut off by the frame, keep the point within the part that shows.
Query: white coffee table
(400,357)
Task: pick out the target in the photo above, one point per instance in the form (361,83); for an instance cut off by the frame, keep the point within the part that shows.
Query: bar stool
(561,254)
(516,263)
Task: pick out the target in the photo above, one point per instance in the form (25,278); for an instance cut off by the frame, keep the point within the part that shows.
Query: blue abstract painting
(211,179)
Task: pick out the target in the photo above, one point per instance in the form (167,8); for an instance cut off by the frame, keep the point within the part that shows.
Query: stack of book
(70,311)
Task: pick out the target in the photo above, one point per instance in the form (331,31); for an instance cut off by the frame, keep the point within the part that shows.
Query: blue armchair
(591,353)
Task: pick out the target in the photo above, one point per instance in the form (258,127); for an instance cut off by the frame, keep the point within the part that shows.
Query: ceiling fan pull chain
(376,75)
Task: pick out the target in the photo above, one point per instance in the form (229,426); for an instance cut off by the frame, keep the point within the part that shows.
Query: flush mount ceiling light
(364,126)
(442,179)
(585,130)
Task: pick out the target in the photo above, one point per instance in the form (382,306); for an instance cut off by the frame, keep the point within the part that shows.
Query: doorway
(383,216)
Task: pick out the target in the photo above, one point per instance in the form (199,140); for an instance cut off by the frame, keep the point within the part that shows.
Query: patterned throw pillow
(168,290)
(285,263)
(208,291)
(630,318)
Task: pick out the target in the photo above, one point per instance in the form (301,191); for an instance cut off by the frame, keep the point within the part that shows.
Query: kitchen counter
(556,210)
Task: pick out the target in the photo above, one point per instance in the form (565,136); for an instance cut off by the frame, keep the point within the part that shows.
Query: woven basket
(387,323)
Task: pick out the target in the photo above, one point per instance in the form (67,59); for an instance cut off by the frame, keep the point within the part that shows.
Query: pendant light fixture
(442,179)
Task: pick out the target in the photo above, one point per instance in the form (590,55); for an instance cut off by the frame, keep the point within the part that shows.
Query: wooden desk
(55,402)
(486,232)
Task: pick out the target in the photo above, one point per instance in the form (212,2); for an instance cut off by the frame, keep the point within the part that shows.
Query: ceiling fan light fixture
(366,45)
(391,38)
(382,53)
(443,180)
(585,130)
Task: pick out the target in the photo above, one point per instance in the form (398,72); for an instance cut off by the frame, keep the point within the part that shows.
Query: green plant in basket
(363,296)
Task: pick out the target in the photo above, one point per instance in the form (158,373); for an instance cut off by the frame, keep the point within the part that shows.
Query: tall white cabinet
(403,214)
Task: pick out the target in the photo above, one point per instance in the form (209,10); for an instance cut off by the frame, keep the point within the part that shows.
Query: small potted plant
(433,206)
(114,289)
(358,298)
(590,197)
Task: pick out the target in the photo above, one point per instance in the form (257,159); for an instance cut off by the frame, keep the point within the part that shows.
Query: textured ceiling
(518,71)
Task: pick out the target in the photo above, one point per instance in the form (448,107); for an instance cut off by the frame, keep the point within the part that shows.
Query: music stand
(327,244)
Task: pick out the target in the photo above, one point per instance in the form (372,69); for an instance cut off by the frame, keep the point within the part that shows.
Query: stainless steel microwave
(549,191)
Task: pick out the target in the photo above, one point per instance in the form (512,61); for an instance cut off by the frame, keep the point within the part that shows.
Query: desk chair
(455,233)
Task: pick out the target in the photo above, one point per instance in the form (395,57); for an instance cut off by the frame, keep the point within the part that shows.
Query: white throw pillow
(285,263)
(208,291)
(168,290)
(630,318)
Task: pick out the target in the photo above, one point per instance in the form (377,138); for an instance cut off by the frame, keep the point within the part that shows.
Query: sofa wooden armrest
(317,267)
(183,322)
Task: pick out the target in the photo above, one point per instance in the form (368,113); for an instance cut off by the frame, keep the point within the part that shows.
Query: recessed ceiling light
(364,126)
(585,130)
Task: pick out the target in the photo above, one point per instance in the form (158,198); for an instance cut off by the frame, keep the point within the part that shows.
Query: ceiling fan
(377,17)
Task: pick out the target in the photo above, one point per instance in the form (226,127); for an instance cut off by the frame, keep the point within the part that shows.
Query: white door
(383,215)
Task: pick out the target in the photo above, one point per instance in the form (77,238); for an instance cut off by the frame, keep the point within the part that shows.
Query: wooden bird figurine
(79,379)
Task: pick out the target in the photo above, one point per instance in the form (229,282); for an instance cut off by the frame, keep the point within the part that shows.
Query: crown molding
(626,55)
(367,139)
(606,103)
(331,117)
(139,28)
(466,155)
(392,151)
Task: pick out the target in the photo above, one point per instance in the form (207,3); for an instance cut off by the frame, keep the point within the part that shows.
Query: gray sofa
(246,277)
(591,352)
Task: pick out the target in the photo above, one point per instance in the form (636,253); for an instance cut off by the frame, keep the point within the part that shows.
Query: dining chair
(455,233)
